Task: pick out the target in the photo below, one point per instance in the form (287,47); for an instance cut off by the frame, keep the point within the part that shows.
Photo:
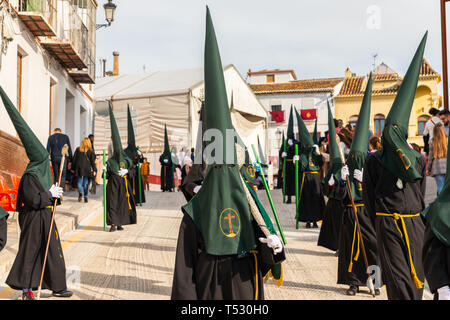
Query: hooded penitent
(131,149)
(119,158)
(166,153)
(438,213)
(335,155)
(220,209)
(290,129)
(39,164)
(280,160)
(315,138)
(397,156)
(248,171)
(360,143)
(306,146)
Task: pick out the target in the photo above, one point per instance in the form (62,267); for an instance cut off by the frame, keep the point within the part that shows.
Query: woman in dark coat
(84,168)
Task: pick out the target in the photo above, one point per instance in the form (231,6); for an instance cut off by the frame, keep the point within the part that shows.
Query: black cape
(380,194)
(290,171)
(312,202)
(348,240)
(332,218)
(167,183)
(34,220)
(3,232)
(118,203)
(133,179)
(201,276)
(194,178)
(436,262)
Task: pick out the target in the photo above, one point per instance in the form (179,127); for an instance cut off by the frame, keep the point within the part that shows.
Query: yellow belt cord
(254,252)
(128,195)
(49,207)
(134,190)
(301,186)
(165,175)
(397,216)
(350,266)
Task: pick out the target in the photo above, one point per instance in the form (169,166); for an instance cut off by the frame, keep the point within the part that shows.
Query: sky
(315,38)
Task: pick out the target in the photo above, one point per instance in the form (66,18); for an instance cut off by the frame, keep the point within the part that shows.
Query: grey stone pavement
(138,262)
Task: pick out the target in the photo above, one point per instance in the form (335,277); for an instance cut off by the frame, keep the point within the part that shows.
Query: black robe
(358,275)
(290,171)
(118,211)
(34,220)
(194,178)
(381,195)
(3,232)
(133,179)
(201,276)
(167,176)
(280,170)
(332,218)
(312,202)
(436,262)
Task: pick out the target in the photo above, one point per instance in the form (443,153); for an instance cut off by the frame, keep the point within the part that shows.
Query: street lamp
(110,9)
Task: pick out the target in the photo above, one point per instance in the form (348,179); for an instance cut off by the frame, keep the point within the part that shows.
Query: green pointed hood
(290,129)
(3,213)
(335,154)
(131,149)
(220,209)
(397,156)
(262,157)
(39,164)
(248,171)
(438,213)
(315,138)
(305,138)
(308,158)
(119,158)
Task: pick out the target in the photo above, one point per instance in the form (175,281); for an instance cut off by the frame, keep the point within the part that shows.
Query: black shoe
(113,228)
(80,197)
(62,294)
(289,200)
(120,228)
(315,225)
(85,200)
(308,225)
(377,292)
(352,290)
(28,295)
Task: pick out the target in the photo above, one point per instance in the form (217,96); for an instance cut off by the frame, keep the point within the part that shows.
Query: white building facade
(278,90)
(47,65)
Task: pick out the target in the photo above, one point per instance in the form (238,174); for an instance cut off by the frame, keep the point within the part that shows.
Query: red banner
(277,116)
(308,114)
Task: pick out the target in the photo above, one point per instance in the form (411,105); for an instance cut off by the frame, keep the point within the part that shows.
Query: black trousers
(56,164)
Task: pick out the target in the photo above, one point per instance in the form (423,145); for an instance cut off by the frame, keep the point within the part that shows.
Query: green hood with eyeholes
(396,155)
(335,155)
(220,209)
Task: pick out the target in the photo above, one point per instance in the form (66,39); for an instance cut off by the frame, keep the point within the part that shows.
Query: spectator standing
(55,144)
(192,154)
(374,144)
(444,115)
(145,172)
(84,167)
(437,160)
(428,131)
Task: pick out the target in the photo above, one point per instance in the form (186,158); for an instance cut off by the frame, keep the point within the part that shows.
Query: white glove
(123,172)
(284,155)
(344,172)
(139,153)
(56,191)
(331,181)
(358,175)
(290,142)
(166,161)
(444,293)
(296,158)
(197,189)
(316,148)
(273,242)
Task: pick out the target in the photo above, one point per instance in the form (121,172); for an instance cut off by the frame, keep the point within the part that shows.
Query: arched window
(353,120)
(379,124)
(421,121)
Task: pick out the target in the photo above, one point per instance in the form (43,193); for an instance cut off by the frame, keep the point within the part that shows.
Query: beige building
(386,83)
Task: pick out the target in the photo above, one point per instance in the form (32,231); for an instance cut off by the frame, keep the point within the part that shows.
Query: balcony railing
(40,16)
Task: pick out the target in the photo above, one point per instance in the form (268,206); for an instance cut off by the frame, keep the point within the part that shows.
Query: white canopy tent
(172,98)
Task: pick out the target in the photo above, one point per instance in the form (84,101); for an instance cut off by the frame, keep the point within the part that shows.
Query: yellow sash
(350,266)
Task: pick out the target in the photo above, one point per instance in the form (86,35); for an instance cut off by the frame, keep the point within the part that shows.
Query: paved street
(137,263)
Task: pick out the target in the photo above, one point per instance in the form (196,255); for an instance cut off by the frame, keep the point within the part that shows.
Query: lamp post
(110,9)
(444,51)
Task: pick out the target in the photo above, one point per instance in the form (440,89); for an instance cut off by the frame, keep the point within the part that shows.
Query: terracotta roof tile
(352,86)
(298,85)
(273,71)
(426,69)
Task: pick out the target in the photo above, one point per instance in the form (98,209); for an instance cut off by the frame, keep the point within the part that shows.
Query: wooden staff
(61,168)
(363,248)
